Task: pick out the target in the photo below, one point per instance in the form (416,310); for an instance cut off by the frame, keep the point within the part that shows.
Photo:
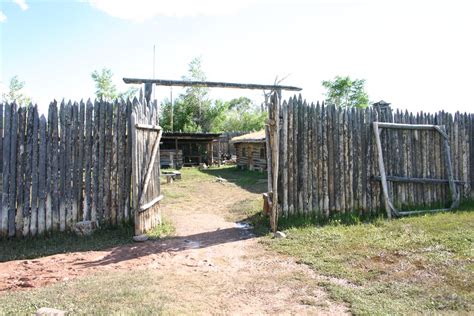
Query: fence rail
(72,166)
(328,161)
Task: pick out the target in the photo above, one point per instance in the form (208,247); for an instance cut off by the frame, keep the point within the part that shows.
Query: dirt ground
(210,266)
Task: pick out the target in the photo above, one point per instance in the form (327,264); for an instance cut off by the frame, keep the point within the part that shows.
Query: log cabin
(251,151)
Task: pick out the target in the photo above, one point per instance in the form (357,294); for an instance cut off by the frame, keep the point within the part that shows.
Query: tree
(106,89)
(345,92)
(14,93)
(193,111)
(243,115)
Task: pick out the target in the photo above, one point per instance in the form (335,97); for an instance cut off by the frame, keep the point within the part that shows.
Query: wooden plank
(304,156)
(63,162)
(101,161)
(42,175)
(13,171)
(68,165)
(6,175)
(276,99)
(52,197)
(148,127)
(416,180)
(150,204)
(34,174)
(79,163)
(296,156)
(71,217)
(290,164)
(134,169)
(95,164)
(315,162)
(363,160)
(122,182)
(88,162)
(108,141)
(325,159)
(113,165)
(128,163)
(20,169)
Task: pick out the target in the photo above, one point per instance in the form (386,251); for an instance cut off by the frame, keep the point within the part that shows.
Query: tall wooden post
(273,123)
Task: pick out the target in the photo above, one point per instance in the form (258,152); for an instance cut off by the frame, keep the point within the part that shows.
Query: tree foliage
(345,92)
(194,111)
(15,94)
(106,89)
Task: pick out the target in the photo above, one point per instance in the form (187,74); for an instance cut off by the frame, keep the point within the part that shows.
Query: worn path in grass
(209,266)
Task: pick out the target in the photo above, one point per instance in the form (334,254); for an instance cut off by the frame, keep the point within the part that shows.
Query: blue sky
(418,55)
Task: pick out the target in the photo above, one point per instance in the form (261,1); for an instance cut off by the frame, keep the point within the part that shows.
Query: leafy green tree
(243,115)
(345,92)
(106,89)
(193,111)
(15,94)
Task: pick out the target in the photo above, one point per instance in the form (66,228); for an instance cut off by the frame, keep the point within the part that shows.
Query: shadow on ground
(172,244)
(252,181)
(32,248)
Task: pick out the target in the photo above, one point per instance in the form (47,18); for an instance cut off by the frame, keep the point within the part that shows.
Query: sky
(416,54)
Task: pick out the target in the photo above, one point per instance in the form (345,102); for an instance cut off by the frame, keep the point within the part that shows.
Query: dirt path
(211,266)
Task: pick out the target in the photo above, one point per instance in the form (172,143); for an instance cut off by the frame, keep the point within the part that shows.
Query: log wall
(328,159)
(73,165)
(252,159)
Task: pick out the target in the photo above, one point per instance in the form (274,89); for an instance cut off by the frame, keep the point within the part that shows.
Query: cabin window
(244,151)
(262,153)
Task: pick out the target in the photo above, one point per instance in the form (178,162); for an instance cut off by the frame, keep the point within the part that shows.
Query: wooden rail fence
(74,165)
(328,161)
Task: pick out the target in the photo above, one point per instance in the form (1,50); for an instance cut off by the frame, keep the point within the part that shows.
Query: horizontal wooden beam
(405,213)
(415,180)
(405,126)
(209,84)
(146,206)
(148,127)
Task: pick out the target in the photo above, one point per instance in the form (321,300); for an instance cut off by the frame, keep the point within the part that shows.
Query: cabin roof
(255,137)
(191,136)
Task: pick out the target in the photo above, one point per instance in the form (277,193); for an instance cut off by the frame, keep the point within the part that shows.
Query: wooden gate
(146,192)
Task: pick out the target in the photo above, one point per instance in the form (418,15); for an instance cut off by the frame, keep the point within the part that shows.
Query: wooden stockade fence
(75,165)
(328,161)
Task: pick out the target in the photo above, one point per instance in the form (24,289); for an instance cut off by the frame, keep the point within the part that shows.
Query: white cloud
(3,17)
(22,4)
(140,10)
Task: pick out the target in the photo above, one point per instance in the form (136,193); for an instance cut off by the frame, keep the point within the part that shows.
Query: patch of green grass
(164,230)
(30,248)
(129,292)
(253,181)
(410,265)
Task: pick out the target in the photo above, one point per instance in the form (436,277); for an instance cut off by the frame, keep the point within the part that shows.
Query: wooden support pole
(274,129)
(388,206)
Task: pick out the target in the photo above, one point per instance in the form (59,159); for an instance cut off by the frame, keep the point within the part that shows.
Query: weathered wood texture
(329,159)
(251,156)
(145,162)
(72,165)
